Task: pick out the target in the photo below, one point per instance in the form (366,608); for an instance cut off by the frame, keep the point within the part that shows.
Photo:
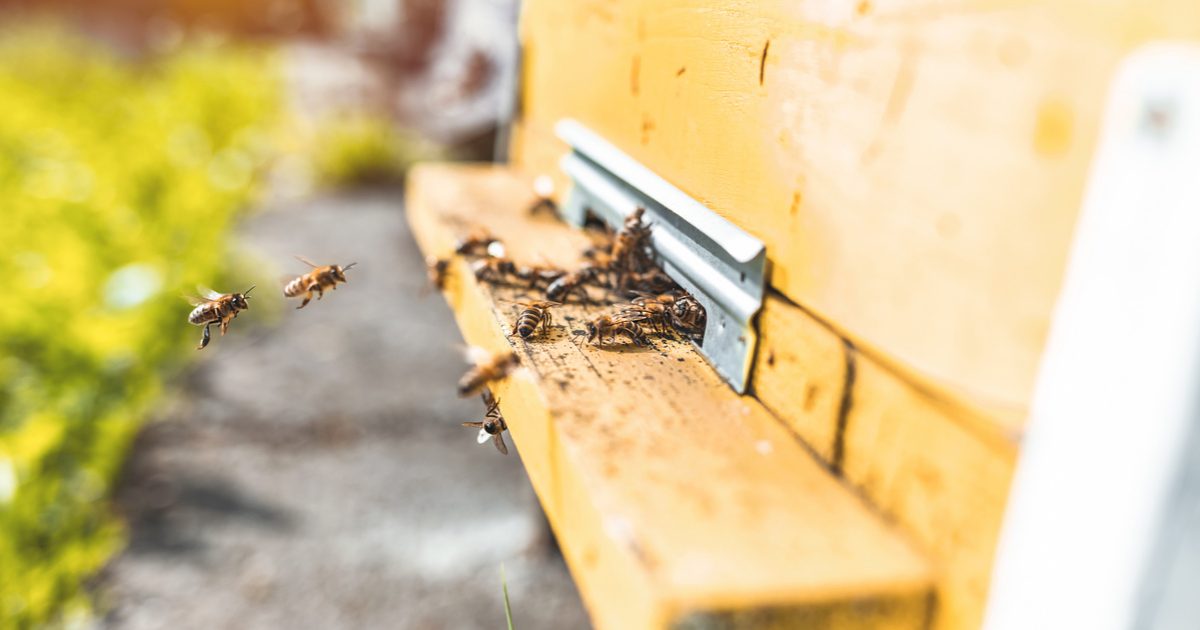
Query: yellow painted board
(674,499)
(914,166)
(939,469)
(926,465)
(801,371)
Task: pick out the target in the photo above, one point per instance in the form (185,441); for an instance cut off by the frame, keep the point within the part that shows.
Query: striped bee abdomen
(297,286)
(203,314)
(528,322)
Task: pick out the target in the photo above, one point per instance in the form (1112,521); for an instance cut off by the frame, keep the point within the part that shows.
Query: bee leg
(320,292)
(224,326)
(307,298)
(205,338)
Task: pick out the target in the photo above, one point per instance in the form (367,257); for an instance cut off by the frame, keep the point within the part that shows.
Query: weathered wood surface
(941,470)
(914,166)
(675,500)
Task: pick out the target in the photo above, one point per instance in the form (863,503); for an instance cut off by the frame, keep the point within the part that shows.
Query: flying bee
(572,284)
(487,367)
(319,279)
(437,268)
(535,314)
(605,327)
(216,308)
(479,242)
(493,425)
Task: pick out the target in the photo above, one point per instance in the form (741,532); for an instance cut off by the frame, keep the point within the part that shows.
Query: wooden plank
(914,166)
(927,466)
(673,498)
(940,469)
(800,374)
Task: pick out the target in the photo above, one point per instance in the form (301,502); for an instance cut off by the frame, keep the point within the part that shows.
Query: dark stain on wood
(839,440)
(681,71)
(762,62)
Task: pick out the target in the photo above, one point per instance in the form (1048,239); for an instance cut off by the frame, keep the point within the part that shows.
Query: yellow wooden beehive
(915,170)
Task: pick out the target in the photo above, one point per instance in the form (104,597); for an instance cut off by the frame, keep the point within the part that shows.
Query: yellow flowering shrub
(119,182)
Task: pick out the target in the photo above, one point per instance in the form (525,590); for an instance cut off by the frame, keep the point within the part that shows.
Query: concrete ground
(313,474)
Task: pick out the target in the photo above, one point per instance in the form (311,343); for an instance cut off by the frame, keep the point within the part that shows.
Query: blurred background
(297,472)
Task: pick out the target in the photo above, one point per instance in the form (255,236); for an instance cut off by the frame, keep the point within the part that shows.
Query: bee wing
(195,300)
(483,436)
(208,293)
(307,262)
(498,440)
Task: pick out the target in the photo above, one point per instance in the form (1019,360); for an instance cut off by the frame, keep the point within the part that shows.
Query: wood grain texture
(674,499)
(914,166)
(926,466)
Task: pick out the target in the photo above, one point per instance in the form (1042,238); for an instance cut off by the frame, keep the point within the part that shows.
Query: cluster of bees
(620,267)
(620,271)
(213,308)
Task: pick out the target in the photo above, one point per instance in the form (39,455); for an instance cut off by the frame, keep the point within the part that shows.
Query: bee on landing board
(573,284)
(319,279)
(536,314)
(437,269)
(479,242)
(487,367)
(493,425)
(607,328)
(216,308)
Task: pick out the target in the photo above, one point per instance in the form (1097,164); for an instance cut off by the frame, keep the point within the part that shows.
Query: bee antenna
(349,266)
(246,293)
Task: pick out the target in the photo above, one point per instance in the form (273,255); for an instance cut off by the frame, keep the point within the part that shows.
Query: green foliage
(507,605)
(119,183)
(362,149)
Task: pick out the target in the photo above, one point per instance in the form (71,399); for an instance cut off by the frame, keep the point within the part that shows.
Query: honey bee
(216,308)
(487,368)
(572,284)
(605,327)
(479,242)
(689,316)
(437,269)
(536,276)
(535,314)
(658,315)
(496,270)
(493,425)
(319,279)
(631,249)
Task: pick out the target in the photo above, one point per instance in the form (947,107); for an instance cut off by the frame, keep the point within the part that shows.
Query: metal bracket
(717,262)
